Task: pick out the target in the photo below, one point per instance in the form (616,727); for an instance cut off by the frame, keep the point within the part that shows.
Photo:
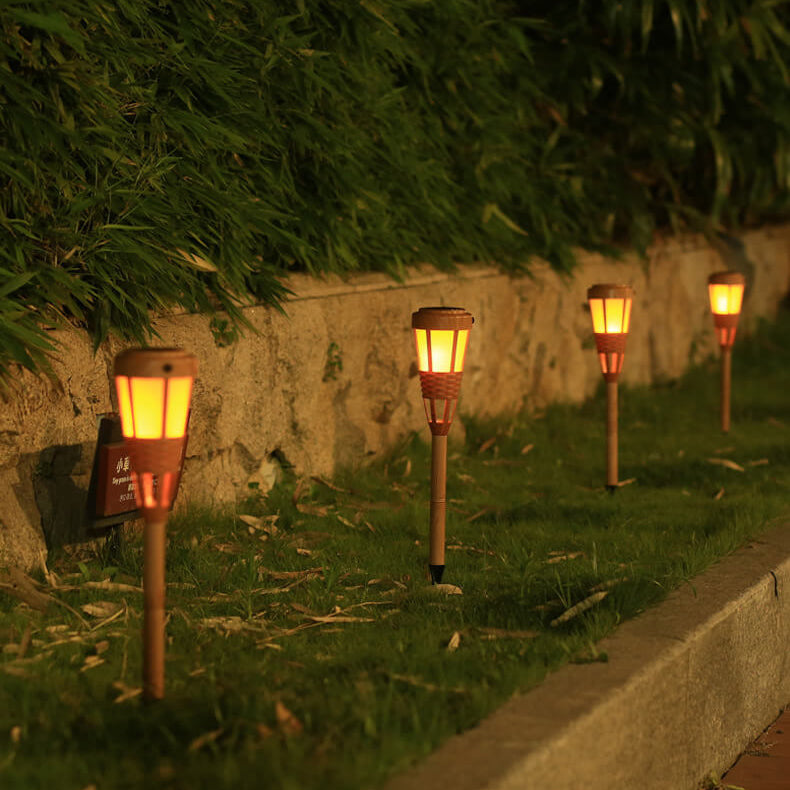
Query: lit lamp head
(154,387)
(442,336)
(610,307)
(726,297)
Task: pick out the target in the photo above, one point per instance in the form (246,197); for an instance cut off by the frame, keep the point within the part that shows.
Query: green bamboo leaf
(16,282)
(492,210)
(55,23)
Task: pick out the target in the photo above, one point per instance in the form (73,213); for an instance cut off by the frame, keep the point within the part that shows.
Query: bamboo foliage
(190,154)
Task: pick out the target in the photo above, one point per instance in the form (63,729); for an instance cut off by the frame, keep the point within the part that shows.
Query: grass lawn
(306,648)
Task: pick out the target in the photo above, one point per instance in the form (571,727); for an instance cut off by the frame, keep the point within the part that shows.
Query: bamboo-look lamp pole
(725,290)
(610,307)
(441,335)
(154,387)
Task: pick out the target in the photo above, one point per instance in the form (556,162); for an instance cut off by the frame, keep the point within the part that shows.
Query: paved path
(765,765)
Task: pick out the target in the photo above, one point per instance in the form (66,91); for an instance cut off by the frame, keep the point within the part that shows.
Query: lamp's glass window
(148,403)
(179,391)
(725,299)
(125,405)
(610,316)
(435,354)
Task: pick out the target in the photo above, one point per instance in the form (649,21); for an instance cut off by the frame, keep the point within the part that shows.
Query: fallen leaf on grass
(227,548)
(527,448)
(91,662)
(286,721)
(488,443)
(303,552)
(445,589)
(719,494)
(455,640)
(102,585)
(473,549)
(205,739)
(101,608)
(506,633)
(557,557)
(230,625)
(331,486)
(479,513)
(580,607)
(758,462)
(279,590)
(345,521)
(607,585)
(627,482)
(16,734)
(340,619)
(313,510)
(726,462)
(251,521)
(111,586)
(301,608)
(290,575)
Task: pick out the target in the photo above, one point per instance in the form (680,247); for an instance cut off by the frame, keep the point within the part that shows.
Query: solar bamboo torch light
(442,336)
(610,306)
(154,387)
(725,290)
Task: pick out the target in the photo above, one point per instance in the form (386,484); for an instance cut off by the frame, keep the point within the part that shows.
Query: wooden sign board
(115,490)
(112,485)
(115,487)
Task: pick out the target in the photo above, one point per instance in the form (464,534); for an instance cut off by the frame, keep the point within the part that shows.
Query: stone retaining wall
(334,381)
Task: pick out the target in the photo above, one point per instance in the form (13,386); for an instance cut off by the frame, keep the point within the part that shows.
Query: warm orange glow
(148,404)
(610,316)
(725,299)
(179,391)
(144,490)
(596,308)
(460,352)
(125,405)
(141,410)
(421,337)
(627,321)
(442,350)
(439,359)
(614,315)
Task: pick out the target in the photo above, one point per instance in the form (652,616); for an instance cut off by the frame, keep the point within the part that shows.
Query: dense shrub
(190,153)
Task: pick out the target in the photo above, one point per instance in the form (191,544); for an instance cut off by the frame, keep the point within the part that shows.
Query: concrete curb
(688,685)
